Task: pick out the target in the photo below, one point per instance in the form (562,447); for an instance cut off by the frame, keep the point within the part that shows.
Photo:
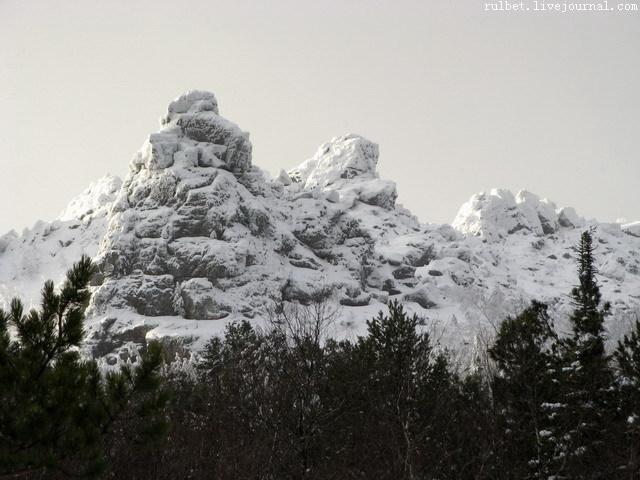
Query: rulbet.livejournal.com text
(560,7)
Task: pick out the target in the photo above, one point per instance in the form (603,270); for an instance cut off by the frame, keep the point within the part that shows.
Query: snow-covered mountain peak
(499,213)
(194,101)
(346,165)
(195,135)
(341,158)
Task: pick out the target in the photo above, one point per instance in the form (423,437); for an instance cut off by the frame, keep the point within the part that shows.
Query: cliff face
(196,235)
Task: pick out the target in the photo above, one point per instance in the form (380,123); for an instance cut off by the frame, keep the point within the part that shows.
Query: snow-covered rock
(197,236)
(499,213)
(95,198)
(342,158)
(194,101)
(347,166)
(632,228)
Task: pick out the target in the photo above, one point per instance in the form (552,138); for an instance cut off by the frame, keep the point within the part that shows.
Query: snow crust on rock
(197,236)
(194,101)
(96,197)
(632,228)
(499,213)
(342,158)
(346,168)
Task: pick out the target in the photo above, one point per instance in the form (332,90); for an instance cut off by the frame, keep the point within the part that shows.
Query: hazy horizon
(460,100)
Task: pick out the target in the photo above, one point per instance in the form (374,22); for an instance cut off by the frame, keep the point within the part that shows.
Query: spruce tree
(522,386)
(627,359)
(56,407)
(588,314)
(586,376)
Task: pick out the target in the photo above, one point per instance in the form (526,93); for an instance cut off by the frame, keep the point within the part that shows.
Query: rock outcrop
(499,213)
(346,168)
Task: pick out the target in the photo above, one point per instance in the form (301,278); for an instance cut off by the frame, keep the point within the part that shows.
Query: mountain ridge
(196,234)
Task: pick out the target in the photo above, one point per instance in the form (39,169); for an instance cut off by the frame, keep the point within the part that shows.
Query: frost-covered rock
(540,213)
(499,213)
(342,158)
(568,218)
(95,198)
(197,236)
(284,178)
(194,101)
(198,300)
(632,228)
(184,212)
(347,165)
(150,295)
(194,134)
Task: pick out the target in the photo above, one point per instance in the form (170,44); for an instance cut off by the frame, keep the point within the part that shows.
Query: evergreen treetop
(588,315)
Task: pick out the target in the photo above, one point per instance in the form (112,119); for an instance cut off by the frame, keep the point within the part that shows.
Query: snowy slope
(47,250)
(196,235)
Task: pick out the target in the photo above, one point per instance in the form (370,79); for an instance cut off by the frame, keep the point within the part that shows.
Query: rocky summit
(197,235)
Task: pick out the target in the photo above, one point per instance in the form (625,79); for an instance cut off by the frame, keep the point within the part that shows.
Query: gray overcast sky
(460,100)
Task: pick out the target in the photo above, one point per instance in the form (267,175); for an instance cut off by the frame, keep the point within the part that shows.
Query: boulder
(200,300)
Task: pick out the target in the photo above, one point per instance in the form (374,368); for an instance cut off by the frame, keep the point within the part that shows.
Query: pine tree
(57,407)
(400,361)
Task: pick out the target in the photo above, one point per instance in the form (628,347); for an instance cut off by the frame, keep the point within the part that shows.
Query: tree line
(289,402)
